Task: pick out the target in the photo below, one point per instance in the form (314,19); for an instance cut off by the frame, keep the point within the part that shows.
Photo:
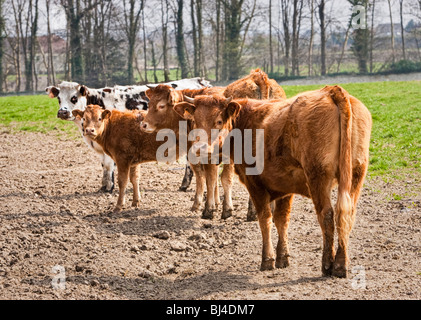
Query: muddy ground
(51,214)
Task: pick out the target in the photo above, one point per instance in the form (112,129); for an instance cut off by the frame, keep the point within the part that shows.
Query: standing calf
(311,142)
(120,136)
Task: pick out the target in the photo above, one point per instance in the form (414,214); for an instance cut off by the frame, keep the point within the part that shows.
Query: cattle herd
(278,147)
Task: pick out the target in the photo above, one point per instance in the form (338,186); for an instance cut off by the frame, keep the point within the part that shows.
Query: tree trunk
(402,29)
(50,68)
(180,41)
(164,12)
(145,55)
(195,41)
(1,45)
(270,37)
(154,64)
(392,38)
(287,40)
(201,58)
(372,36)
(322,37)
(218,39)
(310,46)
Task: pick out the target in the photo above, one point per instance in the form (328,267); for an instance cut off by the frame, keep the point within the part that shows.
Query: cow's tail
(344,203)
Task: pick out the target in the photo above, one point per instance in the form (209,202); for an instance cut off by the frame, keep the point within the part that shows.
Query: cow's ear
(185,110)
(52,92)
(105,114)
(78,113)
(144,95)
(232,110)
(83,90)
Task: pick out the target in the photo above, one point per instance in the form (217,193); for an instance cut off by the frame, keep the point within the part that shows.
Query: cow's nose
(89,131)
(144,125)
(63,114)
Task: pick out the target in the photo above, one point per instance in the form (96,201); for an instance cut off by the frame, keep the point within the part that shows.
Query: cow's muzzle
(63,114)
(146,127)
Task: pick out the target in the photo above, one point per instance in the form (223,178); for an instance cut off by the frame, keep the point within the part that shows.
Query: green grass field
(395,107)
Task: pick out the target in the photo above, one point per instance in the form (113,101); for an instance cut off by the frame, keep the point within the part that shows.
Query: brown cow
(119,134)
(162,116)
(311,142)
(256,85)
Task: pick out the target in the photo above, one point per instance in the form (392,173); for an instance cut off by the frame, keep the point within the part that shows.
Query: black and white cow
(72,95)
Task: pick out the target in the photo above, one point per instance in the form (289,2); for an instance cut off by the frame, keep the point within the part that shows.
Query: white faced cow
(72,95)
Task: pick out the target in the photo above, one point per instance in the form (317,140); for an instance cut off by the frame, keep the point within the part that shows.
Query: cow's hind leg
(108,168)
(345,221)
(281,217)
(227,177)
(188,176)
(134,179)
(320,189)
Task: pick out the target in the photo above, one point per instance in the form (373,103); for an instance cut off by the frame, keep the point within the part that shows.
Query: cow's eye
(219,123)
(161,106)
(73,100)
(83,119)
(99,119)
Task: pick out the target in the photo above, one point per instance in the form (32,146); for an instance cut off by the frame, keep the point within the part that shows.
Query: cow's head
(210,113)
(92,120)
(71,96)
(161,115)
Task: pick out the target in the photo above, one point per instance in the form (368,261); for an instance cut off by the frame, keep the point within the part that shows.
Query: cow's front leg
(211,173)
(134,179)
(108,167)
(200,184)
(227,179)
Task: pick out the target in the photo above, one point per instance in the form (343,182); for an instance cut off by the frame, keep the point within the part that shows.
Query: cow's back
(124,137)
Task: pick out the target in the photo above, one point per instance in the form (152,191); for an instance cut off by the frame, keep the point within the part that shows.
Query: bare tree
(392,31)
(132,13)
(285,5)
(322,22)
(402,28)
(311,42)
(181,54)
(2,25)
(164,20)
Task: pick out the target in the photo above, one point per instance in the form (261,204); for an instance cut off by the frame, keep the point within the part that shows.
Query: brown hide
(256,85)
(311,142)
(120,136)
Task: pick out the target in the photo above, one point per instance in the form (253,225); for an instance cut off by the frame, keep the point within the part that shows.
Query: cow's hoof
(251,212)
(208,213)
(106,189)
(282,262)
(327,270)
(117,210)
(136,204)
(196,206)
(267,264)
(251,216)
(226,213)
(340,272)
(183,189)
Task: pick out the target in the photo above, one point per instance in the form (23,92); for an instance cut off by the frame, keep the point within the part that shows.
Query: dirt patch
(51,214)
